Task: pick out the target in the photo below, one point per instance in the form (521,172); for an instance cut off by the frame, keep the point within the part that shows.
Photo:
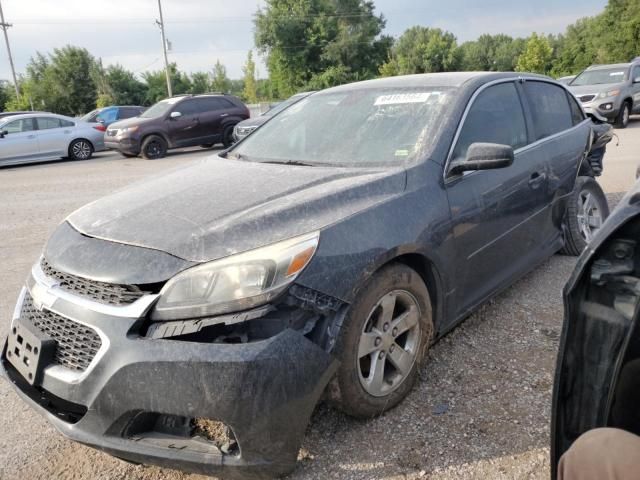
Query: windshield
(283,105)
(89,116)
(159,109)
(364,127)
(600,77)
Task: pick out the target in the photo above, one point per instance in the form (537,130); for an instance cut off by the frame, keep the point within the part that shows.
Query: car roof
(444,79)
(608,66)
(38,114)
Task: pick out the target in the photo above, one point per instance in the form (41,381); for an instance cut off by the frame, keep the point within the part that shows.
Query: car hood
(218,207)
(591,89)
(129,122)
(254,122)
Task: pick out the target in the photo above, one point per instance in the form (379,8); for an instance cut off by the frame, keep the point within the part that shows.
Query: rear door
(496,214)
(20,142)
(54,136)
(561,137)
(214,111)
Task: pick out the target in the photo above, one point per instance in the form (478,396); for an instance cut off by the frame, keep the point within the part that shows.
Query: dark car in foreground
(180,121)
(597,380)
(246,127)
(195,320)
(108,115)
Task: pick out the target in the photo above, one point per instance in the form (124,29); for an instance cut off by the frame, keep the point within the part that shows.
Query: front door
(185,130)
(497,214)
(20,142)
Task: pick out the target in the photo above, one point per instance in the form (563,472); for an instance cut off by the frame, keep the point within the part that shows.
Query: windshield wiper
(291,162)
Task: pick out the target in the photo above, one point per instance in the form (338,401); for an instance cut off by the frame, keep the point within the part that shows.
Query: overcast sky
(201,31)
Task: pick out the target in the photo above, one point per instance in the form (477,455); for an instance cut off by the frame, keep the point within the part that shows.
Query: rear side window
(209,104)
(549,107)
(47,123)
(576,110)
(495,116)
(66,123)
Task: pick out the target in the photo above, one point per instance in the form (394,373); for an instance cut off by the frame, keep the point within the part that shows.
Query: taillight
(101,128)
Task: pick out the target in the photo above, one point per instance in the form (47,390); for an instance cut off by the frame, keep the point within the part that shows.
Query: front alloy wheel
(389,343)
(382,342)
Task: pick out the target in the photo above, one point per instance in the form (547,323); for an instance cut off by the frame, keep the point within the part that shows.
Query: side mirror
(636,80)
(175,115)
(484,156)
(3,133)
(100,120)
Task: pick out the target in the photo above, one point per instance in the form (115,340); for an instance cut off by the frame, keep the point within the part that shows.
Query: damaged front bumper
(139,398)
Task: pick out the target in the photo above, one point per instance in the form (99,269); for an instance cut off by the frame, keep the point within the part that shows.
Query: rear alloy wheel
(153,147)
(623,117)
(80,150)
(586,212)
(382,343)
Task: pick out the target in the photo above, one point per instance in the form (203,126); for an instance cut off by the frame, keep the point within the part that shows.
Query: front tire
(586,212)
(153,147)
(622,120)
(80,149)
(383,342)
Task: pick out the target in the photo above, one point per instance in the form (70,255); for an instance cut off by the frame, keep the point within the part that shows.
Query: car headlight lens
(237,282)
(610,93)
(128,130)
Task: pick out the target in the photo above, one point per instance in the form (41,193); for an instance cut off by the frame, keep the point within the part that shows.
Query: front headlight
(610,93)
(237,282)
(128,130)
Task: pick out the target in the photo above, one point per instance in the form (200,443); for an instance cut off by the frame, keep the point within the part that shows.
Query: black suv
(181,121)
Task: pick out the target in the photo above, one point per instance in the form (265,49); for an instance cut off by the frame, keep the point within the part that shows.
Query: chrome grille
(76,344)
(108,293)
(586,98)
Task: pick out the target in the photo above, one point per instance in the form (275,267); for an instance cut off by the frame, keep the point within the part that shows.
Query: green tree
(619,31)
(5,95)
(319,38)
(200,83)
(123,86)
(156,84)
(220,82)
(537,55)
(250,93)
(497,53)
(423,50)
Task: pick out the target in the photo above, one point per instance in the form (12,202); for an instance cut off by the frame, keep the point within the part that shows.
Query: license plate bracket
(29,350)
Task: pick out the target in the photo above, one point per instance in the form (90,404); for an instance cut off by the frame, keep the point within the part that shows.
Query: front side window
(600,77)
(576,110)
(495,116)
(47,123)
(549,108)
(354,127)
(19,126)
(188,107)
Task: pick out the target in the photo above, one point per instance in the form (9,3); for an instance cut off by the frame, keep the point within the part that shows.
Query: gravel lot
(481,410)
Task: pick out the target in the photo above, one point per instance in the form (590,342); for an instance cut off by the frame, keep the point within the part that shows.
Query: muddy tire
(622,120)
(586,212)
(383,341)
(153,147)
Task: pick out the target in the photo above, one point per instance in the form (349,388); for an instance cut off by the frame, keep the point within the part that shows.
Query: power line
(4,25)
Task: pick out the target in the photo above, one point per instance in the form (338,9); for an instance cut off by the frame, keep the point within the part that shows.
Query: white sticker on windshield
(404,98)
(616,74)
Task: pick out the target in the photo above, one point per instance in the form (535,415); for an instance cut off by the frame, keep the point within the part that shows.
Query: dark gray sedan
(194,320)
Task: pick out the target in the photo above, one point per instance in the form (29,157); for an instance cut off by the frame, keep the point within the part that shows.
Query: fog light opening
(217,433)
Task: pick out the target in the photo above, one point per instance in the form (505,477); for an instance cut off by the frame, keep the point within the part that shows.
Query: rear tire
(382,343)
(153,147)
(622,120)
(80,149)
(586,212)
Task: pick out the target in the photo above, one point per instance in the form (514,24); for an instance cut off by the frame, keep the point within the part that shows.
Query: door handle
(536,179)
(67,132)
(224,115)
(31,137)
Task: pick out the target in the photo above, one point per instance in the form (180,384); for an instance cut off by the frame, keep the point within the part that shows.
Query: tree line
(315,44)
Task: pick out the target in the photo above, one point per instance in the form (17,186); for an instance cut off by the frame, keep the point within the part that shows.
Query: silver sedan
(45,136)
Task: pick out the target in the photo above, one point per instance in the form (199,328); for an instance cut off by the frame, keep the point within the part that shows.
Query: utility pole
(164,49)
(4,27)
